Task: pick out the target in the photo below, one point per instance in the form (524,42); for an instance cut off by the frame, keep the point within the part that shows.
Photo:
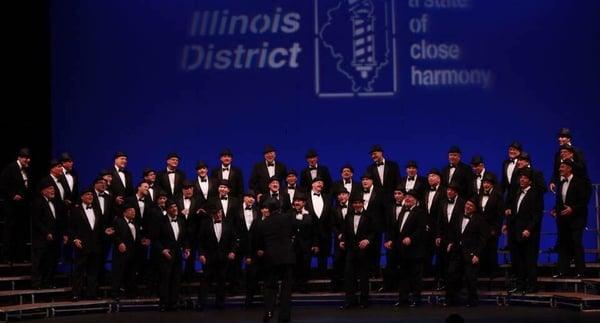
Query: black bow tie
(347,181)
(275,195)
(223,197)
(479,176)
(88,207)
(344,206)
(564,180)
(486,193)
(298,212)
(217,221)
(312,167)
(249,208)
(270,164)
(103,195)
(170,172)
(358,214)
(405,209)
(466,217)
(291,187)
(317,194)
(203,180)
(433,188)
(380,163)
(450,201)
(129,222)
(452,166)
(186,198)
(141,200)
(411,178)
(512,161)
(366,190)
(225,169)
(174,220)
(121,170)
(68,172)
(522,192)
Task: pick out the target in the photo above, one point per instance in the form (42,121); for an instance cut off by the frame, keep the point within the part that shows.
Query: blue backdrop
(133,76)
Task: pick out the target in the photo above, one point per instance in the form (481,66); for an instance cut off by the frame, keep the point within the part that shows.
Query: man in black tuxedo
(386,173)
(491,206)
(356,238)
(15,183)
(291,185)
(466,239)
(523,222)
(277,194)
(205,188)
(190,212)
(451,209)
(63,194)
(412,181)
(315,170)
(125,244)
(340,211)
(406,240)
(346,181)
(274,244)
(431,202)
(216,252)
(318,205)
(479,171)
(146,221)
(121,185)
(229,172)
(47,228)
(538,182)
(87,227)
(565,139)
(265,170)
(171,179)
(571,214)
(246,221)
(373,199)
(70,179)
(306,240)
(457,172)
(509,167)
(392,214)
(149,176)
(172,246)
(103,203)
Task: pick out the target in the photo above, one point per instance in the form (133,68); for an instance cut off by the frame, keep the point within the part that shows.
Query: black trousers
(17,231)
(489,256)
(410,274)
(339,264)
(391,274)
(570,246)
(274,273)
(252,272)
(123,273)
(214,271)
(523,254)
(302,267)
(461,269)
(43,264)
(85,267)
(170,279)
(357,268)
(324,253)
(375,248)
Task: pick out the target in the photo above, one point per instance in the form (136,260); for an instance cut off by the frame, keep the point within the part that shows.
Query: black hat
(127,205)
(568,162)
(454,150)
(273,178)
(105,172)
(311,153)
(516,145)
(225,182)
(120,154)
(98,179)
(356,198)
(225,152)
(201,164)
(567,147)
(268,149)
(366,175)
(489,177)
(316,179)
(526,172)
(54,162)
(564,132)
(250,193)
(24,153)
(45,183)
(291,172)
(472,200)
(343,190)
(86,190)
(160,193)
(375,148)
(476,160)
(346,166)
(64,157)
(270,204)
(173,155)
(187,184)
(170,202)
(400,188)
(434,171)
(412,193)
(300,196)
(525,156)
(147,171)
(411,163)
(453,186)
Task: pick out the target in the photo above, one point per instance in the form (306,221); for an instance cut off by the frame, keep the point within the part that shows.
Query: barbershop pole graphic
(355,48)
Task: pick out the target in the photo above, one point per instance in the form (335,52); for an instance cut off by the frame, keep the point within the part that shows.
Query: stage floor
(330,313)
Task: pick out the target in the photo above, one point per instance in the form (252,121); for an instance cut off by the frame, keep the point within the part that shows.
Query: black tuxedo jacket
(11,182)
(375,208)
(71,194)
(259,179)
(493,213)
(306,231)
(216,250)
(580,169)
(123,235)
(144,220)
(323,224)
(462,177)
(213,190)
(471,241)
(236,179)
(420,185)
(414,228)
(117,187)
(243,233)
(391,176)
(505,186)
(283,199)
(274,236)
(577,197)
(80,228)
(162,180)
(339,185)
(43,223)
(322,172)
(529,216)
(444,226)
(366,230)
(165,238)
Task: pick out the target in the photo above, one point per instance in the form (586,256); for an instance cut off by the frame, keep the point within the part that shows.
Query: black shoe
(199,307)
(363,306)
(345,306)
(441,288)
(471,304)
(579,276)
(414,304)
(514,290)
(399,303)
(558,275)
(75,299)
(268,316)
(162,308)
